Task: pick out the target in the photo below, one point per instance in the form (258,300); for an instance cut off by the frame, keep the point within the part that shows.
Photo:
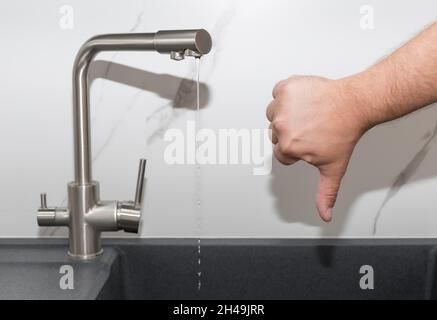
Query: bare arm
(402,83)
(319,120)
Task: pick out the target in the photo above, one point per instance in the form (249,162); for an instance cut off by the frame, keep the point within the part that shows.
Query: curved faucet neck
(81,85)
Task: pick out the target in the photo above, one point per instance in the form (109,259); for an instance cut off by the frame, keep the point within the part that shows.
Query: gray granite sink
(230,269)
(30,269)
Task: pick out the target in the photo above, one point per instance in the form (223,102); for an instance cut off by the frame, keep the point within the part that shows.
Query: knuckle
(331,194)
(279,85)
(270,111)
(295,77)
(280,88)
(279,126)
(286,86)
(286,148)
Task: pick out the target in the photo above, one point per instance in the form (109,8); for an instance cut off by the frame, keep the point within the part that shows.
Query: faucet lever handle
(43,200)
(140,183)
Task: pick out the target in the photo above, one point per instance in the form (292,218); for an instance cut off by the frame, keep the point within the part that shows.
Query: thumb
(329,184)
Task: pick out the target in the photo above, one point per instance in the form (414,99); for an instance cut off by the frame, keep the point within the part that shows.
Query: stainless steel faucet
(86,215)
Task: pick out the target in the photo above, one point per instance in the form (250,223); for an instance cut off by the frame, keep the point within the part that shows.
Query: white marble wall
(390,188)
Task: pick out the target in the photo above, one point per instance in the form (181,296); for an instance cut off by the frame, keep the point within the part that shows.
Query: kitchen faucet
(86,215)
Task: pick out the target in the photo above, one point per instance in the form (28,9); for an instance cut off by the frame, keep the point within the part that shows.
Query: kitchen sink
(229,269)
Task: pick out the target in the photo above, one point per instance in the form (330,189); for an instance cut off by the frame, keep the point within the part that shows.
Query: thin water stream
(198,182)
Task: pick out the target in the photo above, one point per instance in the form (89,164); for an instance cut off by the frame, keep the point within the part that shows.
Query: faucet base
(84,238)
(84,257)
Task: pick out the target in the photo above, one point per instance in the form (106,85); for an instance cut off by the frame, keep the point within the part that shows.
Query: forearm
(402,83)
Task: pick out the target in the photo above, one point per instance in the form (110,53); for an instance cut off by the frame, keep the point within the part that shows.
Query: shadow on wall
(181,93)
(295,187)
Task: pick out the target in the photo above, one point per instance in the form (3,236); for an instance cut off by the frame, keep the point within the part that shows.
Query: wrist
(358,98)
(376,93)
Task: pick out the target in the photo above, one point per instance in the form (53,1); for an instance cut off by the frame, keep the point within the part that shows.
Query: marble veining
(404,176)
(167,113)
(179,102)
(136,25)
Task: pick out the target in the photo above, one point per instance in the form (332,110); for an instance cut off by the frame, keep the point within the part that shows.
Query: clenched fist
(319,121)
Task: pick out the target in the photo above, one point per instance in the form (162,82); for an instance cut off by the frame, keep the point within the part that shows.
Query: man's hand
(316,120)
(320,120)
